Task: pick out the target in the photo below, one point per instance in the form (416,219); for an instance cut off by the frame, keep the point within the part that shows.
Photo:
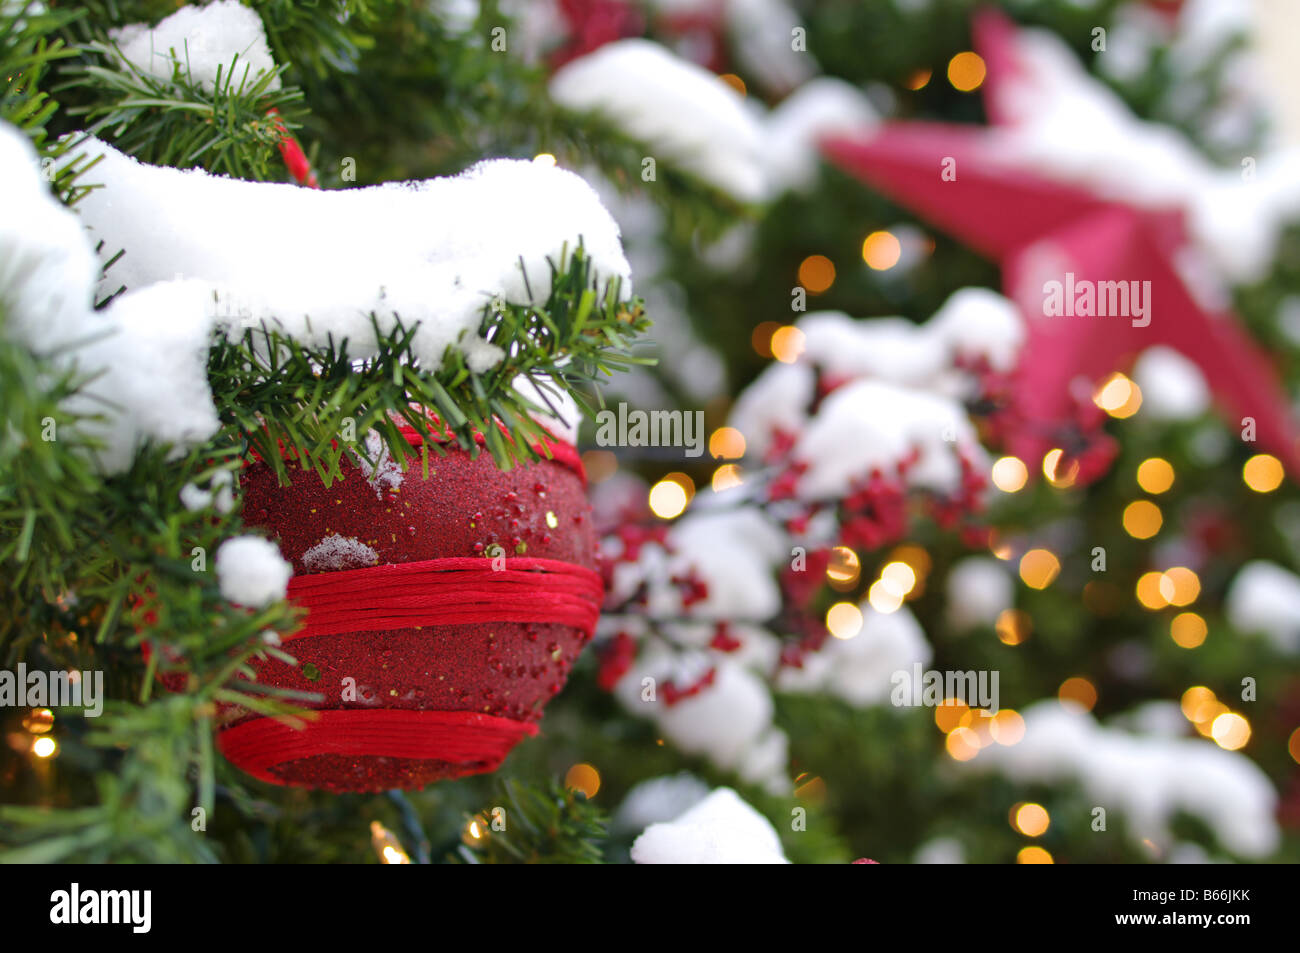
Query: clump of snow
(1173,388)
(251,571)
(1148,778)
(762,33)
(202,42)
(336,552)
(433,252)
(1265,598)
(381,471)
(941,850)
(818,108)
(979,589)
(220,495)
(860,669)
(683,111)
(657,800)
(721,829)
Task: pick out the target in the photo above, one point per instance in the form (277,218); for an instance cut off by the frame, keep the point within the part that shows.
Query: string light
(726,477)
(1154,590)
(1007,727)
(1142,519)
(727,443)
(816,274)
(544,158)
(1013,626)
(898,578)
(1038,568)
(669,497)
(787,344)
(1034,855)
(843,569)
(1186,585)
(386,845)
(583,777)
(45,747)
(1118,396)
(1263,473)
(1078,690)
(966,71)
(1188,630)
(948,715)
(919,79)
(1155,475)
(844,620)
(735,82)
(761,337)
(39,721)
(1293,746)
(883,597)
(1061,477)
(1010,474)
(1030,819)
(1230,731)
(962,744)
(881,251)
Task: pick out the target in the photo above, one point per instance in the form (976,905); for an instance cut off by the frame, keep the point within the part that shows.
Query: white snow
(979,589)
(381,471)
(680,111)
(1073,126)
(251,571)
(1148,778)
(762,34)
(1265,598)
(721,829)
(1173,388)
(318,263)
(657,800)
(220,495)
(859,669)
(202,41)
(820,107)
(336,552)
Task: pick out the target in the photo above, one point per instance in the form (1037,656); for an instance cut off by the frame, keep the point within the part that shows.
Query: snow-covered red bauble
(442,614)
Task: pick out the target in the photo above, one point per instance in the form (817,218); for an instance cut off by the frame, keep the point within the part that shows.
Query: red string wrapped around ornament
(442,615)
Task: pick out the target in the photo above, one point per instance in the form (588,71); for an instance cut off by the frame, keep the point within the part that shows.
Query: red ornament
(475,593)
(1034,224)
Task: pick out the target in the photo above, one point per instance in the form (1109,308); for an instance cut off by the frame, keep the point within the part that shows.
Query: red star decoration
(1039,228)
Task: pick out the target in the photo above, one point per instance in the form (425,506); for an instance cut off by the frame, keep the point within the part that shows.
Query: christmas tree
(896,394)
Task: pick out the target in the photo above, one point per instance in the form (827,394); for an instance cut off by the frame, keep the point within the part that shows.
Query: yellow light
(1230,731)
(1142,519)
(1078,690)
(1188,630)
(998,546)
(882,598)
(1038,568)
(1154,590)
(881,251)
(918,79)
(1263,473)
(1010,474)
(1118,396)
(816,274)
(45,747)
(544,158)
(962,744)
(1013,626)
(1155,475)
(1059,475)
(735,82)
(727,443)
(1186,585)
(843,569)
(668,499)
(726,477)
(1031,819)
(761,337)
(386,845)
(898,578)
(1293,746)
(787,344)
(1197,702)
(844,620)
(948,715)
(966,71)
(1008,727)
(584,778)
(1033,855)
(39,721)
